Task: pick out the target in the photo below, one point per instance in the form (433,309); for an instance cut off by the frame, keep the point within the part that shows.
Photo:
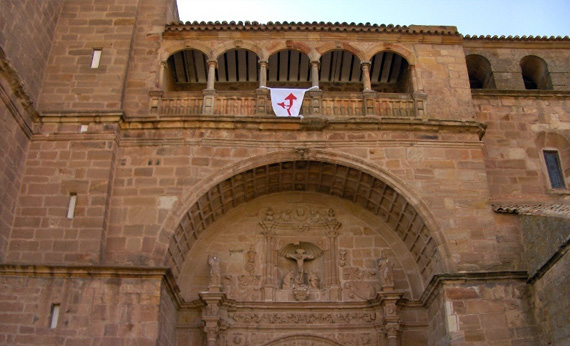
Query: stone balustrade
(249,103)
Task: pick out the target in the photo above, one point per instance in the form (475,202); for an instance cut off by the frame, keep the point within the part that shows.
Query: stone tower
(150,196)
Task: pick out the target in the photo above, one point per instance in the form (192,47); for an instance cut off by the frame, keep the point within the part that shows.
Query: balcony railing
(250,103)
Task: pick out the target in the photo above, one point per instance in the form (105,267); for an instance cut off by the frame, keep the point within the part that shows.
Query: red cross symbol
(288,107)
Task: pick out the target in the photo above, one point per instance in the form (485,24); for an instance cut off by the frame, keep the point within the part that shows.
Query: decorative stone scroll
(302,220)
(304,317)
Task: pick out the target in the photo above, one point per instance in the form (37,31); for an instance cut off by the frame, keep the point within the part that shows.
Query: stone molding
(479,93)
(549,210)
(284,318)
(439,279)
(80,272)
(15,97)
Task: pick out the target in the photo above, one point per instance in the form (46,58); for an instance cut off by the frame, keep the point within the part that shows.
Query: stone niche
(302,268)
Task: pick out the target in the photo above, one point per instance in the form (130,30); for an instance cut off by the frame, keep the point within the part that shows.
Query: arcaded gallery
(278,184)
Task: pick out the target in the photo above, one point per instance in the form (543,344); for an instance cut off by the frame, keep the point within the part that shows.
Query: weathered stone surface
(272,229)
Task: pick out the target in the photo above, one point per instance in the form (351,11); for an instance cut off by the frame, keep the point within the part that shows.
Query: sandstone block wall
(93,311)
(55,169)
(513,157)
(544,236)
(14,144)
(550,300)
(487,314)
(27,30)
(70,83)
(443,77)
(505,64)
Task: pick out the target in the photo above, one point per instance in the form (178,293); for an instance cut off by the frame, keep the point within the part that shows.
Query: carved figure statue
(269,214)
(299,280)
(215,277)
(386,269)
(313,280)
(288,280)
(250,261)
(300,256)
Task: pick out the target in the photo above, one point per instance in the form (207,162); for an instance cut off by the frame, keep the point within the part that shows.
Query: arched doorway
(302,246)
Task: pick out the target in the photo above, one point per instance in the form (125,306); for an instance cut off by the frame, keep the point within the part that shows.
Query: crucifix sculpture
(300,256)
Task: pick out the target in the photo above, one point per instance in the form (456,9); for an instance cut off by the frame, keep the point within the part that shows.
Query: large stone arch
(389,47)
(295,45)
(330,46)
(229,45)
(325,172)
(171,47)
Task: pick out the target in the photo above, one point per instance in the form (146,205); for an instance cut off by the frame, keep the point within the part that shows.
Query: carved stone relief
(304,317)
(359,284)
(243,287)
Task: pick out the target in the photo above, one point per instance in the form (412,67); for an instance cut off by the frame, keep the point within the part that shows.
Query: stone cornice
(45,271)
(480,93)
(309,123)
(266,123)
(439,279)
(82,117)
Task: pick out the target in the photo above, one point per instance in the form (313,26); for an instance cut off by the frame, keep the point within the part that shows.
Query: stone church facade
(149,196)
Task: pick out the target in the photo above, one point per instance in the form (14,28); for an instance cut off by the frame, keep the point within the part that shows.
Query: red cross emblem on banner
(291,98)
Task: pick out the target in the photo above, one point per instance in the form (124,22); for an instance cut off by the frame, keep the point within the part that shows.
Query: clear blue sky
(474,17)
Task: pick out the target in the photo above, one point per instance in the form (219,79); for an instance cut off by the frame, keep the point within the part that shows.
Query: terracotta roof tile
(311,26)
(515,38)
(552,210)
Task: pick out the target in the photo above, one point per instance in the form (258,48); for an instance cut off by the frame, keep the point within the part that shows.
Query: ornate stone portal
(300,262)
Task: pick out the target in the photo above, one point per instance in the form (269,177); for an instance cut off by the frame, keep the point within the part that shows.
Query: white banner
(287,102)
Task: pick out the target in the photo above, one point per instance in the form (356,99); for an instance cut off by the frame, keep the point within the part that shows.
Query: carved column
(315,73)
(211,316)
(391,319)
(261,93)
(270,260)
(369,95)
(262,73)
(211,74)
(210,93)
(365,65)
(333,280)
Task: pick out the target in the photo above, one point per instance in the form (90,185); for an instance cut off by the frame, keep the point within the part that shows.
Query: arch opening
(187,70)
(340,70)
(389,73)
(289,68)
(379,198)
(238,69)
(535,73)
(480,72)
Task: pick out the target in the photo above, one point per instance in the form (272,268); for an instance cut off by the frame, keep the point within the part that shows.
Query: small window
(54,316)
(96,59)
(554,169)
(72,204)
